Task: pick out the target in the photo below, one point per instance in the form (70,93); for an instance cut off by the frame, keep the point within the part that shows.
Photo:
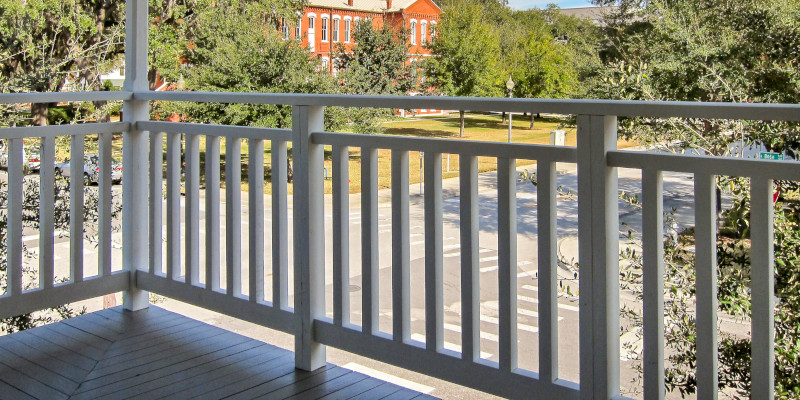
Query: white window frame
(423,32)
(312,37)
(298,31)
(324,18)
(433,29)
(325,63)
(355,22)
(284,30)
(335,28)
(413,28)
(348,24)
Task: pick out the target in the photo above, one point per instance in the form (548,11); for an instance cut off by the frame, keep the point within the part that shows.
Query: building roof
(594,13)
(363,5)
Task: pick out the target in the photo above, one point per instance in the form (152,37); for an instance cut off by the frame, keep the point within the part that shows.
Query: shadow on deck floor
(154,353)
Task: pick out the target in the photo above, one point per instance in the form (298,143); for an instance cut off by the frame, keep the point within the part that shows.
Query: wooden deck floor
(153,354)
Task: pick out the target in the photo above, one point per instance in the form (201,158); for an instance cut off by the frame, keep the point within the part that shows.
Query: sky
(526,4)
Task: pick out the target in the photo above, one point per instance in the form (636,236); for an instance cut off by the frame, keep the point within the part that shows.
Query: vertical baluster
(548,265)
(598,238)
(706,290)
(173,206)
(369,239)
(76,173)
(46,212)
(341,235)
(233,215)
(280,226)
(14,207)
(212,213)
(653,282)
(762,266)
(255,207)
(156,196)
(401,256)
(309,234)
(104,205)
(470,259)
(434,323)
(507,260)
(192,209)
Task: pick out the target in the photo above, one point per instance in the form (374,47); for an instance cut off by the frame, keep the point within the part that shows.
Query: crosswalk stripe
(536,301)
(447,345)
(496,321)
(484,335)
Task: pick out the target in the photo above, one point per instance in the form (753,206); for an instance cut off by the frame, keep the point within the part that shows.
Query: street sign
(770,156)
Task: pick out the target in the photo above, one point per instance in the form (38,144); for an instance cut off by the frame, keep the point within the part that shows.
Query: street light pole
(510,87)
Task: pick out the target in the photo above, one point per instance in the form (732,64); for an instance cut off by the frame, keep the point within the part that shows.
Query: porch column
(598,254)
(309,234)
(135,151)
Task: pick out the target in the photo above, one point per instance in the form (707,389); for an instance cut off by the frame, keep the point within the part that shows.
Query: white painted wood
(653,283)
(484,376)
(548,266)
(705,232)
(730,166)
(55,296)
(241,132)
(212,242)
(76,199)
(173,205)
(104,204)
(369,241)
(475,148)
(309,235)
(62,97)
(14,218)
(233,216)
(598,238)
(54,131)
(470,262)
(622,108)
(340,168)
(763,290)
(156,202)
(134,152)
(255,209)
(280,226)
(434,306)
(46,213)
(237,307)
(192,210)
(401,248)
(507,261)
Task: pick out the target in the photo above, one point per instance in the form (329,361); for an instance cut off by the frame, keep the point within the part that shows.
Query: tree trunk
(39,113)
(461,123)
(503,121)
(532,117)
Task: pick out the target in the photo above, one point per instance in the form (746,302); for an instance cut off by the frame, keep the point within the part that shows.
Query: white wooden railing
(597,161)
(164,271)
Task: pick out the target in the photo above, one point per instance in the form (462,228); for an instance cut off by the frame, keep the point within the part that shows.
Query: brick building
(326,22)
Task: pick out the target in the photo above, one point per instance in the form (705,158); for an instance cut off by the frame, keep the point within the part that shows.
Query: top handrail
(621,108)
(62,97)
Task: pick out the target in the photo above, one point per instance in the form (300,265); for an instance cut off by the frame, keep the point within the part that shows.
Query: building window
(413,31)
(324,29)
(356,24)
(423,33)
(285,29)
(335,29)
(347,31)
(297,28)
(324,63)
(433,29)
(311,19)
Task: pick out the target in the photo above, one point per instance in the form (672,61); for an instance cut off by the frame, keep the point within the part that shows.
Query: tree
(464,54)
(45,44)
(705,50)
(376,63)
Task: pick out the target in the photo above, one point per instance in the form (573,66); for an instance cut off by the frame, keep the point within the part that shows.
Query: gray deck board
(157,354)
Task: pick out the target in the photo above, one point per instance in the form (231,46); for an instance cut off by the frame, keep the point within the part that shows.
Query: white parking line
(447,345)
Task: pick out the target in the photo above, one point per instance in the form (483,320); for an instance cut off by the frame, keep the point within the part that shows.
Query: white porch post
(135,152)
(309,234)
(598,220)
